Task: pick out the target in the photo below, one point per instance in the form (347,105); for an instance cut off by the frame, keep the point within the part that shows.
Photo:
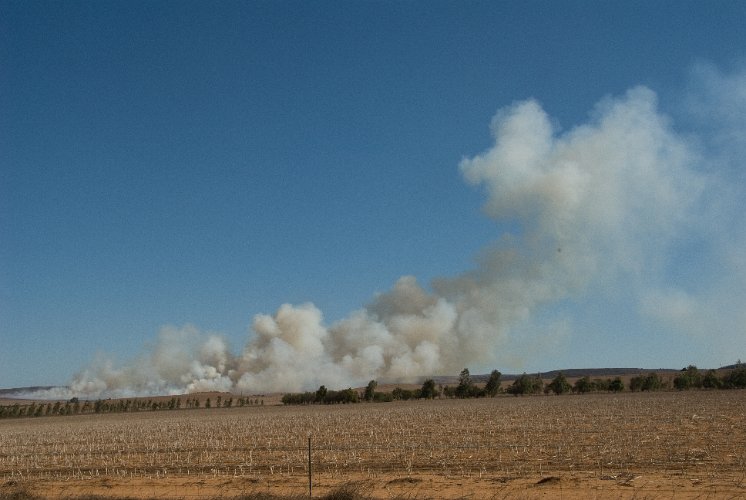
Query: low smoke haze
(615,232)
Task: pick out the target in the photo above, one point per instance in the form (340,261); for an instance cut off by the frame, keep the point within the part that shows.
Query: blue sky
(190,165)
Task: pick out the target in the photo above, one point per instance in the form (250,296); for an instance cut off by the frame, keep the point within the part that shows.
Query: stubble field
(641,445)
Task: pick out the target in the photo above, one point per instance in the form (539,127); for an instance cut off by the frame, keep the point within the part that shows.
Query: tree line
(75,406)
(689,378)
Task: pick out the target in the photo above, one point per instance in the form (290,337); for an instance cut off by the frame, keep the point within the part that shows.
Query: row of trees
(322,396)
(75,406)
(689,378)
(466,388)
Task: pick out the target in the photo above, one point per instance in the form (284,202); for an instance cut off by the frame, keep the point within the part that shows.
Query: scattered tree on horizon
(690,378)
(321,394)
(370,390)
(526,384)
(465,386)
(559,385)
(616,385)
(650,382)
(493,384)
(711,380)
(428,390)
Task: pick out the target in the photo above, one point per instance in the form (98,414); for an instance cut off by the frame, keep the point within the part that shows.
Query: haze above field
(279,195)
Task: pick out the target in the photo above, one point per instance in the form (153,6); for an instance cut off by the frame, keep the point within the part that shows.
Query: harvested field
(642,445)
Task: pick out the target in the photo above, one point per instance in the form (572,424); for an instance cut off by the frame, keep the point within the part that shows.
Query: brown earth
(659,445)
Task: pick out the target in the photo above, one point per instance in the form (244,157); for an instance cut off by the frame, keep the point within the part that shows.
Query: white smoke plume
(589,209)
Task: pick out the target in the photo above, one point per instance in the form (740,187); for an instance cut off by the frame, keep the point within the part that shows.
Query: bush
(583,385)
(650,382)
(382,397)
(711,380)
(736,379)
(404,394)
(690,378)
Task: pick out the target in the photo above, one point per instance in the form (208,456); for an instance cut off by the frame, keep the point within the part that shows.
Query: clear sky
(169,170)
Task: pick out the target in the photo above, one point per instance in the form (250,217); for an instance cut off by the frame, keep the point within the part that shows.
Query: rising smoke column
(592,204)
(592,207)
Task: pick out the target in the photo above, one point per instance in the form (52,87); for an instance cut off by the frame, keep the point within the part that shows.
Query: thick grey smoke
(596,205)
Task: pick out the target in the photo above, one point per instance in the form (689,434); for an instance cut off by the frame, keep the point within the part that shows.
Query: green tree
(711,380)
(616,385)
(428,390)
(653,382)
(601,384)
(449,391)
(465,386)
(526,384)
(690,378)
(370,390)
(559,385)
(583,385)
(383,397)
(402,394)
(493,384)
(321,394)
(736,379)
(650,382)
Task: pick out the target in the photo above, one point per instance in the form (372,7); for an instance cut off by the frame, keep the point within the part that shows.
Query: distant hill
(597,372)
(732,367)
(569,373)
(17,391)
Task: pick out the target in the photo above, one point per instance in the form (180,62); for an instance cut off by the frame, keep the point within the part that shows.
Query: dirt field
(643,445)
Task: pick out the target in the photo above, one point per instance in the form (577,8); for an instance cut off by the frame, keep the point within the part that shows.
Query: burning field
(631,445)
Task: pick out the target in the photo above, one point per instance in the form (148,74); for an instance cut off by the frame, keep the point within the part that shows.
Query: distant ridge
(19,391)
(732,367)
(597,372)
(570,373)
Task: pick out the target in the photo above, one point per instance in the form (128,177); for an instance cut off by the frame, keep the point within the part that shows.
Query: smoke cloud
(585,211)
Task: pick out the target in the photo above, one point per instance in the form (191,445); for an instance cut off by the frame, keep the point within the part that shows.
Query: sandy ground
(570,486)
